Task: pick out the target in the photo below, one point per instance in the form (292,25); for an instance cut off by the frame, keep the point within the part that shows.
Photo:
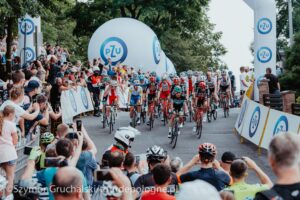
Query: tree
(184,30)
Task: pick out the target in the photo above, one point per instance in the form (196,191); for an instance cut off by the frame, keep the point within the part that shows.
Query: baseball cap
(228,157)
(33,84)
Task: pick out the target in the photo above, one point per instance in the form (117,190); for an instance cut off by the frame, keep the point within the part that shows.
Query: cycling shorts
(164,95)
(224,88)
(134,99)
(151,97)
(200,102)
(111,100)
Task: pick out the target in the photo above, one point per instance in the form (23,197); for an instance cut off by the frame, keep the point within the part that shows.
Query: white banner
(255,119)
(240,120)
(75,102)
(279,122)
(26,30)
(264,38)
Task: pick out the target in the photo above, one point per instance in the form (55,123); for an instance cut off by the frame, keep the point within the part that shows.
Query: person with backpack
(131,167)
(284,159)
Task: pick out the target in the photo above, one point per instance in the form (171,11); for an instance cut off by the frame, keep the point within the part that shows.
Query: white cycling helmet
(126,135)
(201,78)
(114,83)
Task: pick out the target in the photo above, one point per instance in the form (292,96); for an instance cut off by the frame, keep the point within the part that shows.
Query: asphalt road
(219,132)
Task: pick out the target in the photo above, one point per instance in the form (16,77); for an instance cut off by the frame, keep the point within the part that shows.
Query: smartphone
(137,160)
(79,125)
(72,136)
(55,162)
(103,175)
(27,150)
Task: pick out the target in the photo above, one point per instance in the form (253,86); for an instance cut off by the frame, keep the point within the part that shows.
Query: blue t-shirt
(45,177)
(217,178)
(87,165)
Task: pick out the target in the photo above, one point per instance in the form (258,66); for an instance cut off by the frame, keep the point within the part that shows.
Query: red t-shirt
(154,195)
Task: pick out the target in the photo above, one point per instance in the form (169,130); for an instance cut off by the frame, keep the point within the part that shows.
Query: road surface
(219,132)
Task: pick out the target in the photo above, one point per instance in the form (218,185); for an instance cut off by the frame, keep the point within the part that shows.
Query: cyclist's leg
(171,122)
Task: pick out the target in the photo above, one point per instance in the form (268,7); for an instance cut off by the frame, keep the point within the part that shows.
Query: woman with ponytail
(8,140)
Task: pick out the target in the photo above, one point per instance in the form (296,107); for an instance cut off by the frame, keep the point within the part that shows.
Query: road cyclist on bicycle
(135,98)
(225,87)
(164,93)
(211,89)
(151,96)
(111,93)
(176,107)
(200,104)
(105,83)
(144,84)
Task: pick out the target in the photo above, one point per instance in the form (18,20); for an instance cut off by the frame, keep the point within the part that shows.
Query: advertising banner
(254,122)
(279,122)
(240,120)
(264,38)
(75,102)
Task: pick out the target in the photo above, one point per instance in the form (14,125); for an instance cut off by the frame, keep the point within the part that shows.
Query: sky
(236,20)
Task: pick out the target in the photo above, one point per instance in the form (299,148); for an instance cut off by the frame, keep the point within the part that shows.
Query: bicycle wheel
(209,114)
(215,114)
(144,117)
(133,123)
(175,136)
(190,112)
(111,124)
(104,121)
(199,128)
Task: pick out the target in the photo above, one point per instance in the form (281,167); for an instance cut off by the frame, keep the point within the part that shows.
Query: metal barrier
(22,159)
(273,101)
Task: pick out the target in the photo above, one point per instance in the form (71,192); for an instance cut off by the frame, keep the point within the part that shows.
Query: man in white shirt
(243,83)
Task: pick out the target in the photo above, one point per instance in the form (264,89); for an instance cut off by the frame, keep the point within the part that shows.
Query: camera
(55,162)
(27,150)
(79,125)
(72,136)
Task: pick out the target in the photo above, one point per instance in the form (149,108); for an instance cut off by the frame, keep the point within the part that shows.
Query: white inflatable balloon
(127,41)
(170,66)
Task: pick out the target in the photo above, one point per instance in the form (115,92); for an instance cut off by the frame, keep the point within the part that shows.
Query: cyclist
(155,155)
(200,103)
(151,93)
(190,82)
(105,82)
(177,104)
(172,76)
(211,86)
(135,98)
(178,83)
(164,92)
(111,92)
(153,74)
(124,136)
(225,85)
(144,85)
(94,86)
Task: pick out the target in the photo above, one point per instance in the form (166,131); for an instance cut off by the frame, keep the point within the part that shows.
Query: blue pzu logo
(254,122)
(29,54)
(264,26)
(264,54)
(281,125)
(73,101)
(26,26)
(259,79)
(242,113)
(156,50)
(115,49)
(84,98)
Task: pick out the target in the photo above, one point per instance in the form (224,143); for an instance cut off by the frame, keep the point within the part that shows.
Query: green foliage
(184,30)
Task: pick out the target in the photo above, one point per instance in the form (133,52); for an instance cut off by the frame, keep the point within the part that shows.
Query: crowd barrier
(259,124)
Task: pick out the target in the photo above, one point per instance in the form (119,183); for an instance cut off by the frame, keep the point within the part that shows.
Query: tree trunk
(10,22)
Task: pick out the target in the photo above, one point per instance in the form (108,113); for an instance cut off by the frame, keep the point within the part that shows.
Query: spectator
(210,169)
(65,150)
(226,195)
(226,160)
(274,86)
(197,189)
(67,184)
(61,131)
(8,140)
(162,178)
(238,172)
(243,83)
(155,155)
(284,155)
(131,167)
(116,159)
(176,164)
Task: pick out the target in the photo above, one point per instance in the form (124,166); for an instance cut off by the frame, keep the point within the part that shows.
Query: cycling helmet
(196,73)
(171,75)
(207,152)
(190,73)
(182,74)
(177,89)
(201,78)
(104,72)
(141,77)
(135,76)
(182,80)
(3,183)
(156,154)
(223,73)
(47,138)
(126,135)
(164,77)
(230,73)
(106,79)
(202,85)
(108,189)
(176,80)
(152,79)
(136,83)
(153,74)
(114,83)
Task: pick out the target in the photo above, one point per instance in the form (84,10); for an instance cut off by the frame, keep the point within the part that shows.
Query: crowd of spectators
(64,165)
